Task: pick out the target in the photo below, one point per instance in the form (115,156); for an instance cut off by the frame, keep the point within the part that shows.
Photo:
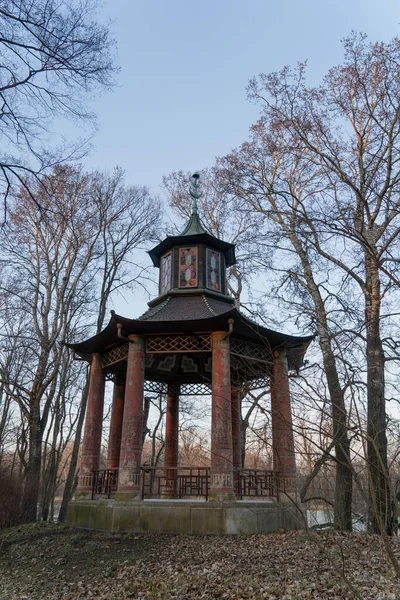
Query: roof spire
(194,226)
(195,191)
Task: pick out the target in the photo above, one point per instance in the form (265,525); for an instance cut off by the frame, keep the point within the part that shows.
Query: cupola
(194,261)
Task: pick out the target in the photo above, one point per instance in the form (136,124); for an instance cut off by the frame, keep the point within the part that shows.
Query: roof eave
(198,238)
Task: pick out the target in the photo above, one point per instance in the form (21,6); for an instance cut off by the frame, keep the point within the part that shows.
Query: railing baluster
(186,482)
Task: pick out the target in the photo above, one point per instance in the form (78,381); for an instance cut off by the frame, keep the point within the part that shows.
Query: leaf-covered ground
(54,562)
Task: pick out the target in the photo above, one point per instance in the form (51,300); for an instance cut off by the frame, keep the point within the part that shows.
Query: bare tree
(129,217)
(45,267)
(276,189)
(327,164)
(53,54)
(52,274)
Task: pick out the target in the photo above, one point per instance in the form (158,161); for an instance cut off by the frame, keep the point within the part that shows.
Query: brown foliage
(58,563)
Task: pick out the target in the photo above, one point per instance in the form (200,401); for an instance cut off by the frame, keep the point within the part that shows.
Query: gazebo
(192,340)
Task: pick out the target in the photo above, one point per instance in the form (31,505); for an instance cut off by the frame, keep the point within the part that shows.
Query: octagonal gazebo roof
(194,312)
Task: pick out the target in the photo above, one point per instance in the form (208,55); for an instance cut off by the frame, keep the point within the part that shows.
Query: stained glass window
(187,267)
(213,270)
(165,277)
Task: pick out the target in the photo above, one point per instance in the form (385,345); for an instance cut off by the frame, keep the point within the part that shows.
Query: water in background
(323,518)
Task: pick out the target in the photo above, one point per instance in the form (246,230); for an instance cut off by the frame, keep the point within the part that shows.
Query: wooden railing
(256,483)
(193,482)
(178,482)
(105,482)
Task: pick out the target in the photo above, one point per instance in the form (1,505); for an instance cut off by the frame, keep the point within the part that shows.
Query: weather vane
(195,190)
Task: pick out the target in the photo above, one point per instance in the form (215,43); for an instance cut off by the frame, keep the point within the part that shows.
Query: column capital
(173,389)
(280,354)
(137,340)
(97,361)
(219,339)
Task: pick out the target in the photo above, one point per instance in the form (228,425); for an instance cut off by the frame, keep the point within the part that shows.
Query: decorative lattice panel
(248,365)
(178,343)
(115,355)
(155,387)
(111,376)
(245,384)
(186,389)
(195,389)
(115,376)
(250,351)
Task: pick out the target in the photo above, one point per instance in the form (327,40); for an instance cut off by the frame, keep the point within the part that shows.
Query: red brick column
(172,437)
(221,487)
(131,440)
(91,447)
(236,438)
(114,440)
(282,428)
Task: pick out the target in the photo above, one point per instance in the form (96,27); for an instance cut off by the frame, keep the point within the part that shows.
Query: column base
(221,487)
(190,518)
(216,496)
(83,494)
(287,489)
(131,496)
(170,492)
(289,498)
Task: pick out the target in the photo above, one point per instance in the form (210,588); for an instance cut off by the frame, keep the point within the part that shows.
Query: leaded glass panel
(213,270)
(165,277)
(187,267)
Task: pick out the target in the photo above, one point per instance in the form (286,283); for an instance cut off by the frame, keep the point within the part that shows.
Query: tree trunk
(146,410)
(48,485)
(380,505)
(50,478)
(71,477)
(344,472)
(33,471)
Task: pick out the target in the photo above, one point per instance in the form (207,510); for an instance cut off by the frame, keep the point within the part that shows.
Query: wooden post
(171,439)
(236,437)
(282,427)
(131,440)
(114,440)
(221,488)
(91,447)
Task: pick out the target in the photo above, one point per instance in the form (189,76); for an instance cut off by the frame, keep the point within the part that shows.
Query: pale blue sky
(181,96)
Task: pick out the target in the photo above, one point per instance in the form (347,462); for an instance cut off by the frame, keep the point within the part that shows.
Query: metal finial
(195,191)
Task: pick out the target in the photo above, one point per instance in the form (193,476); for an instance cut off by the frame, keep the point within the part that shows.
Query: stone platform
(182,516)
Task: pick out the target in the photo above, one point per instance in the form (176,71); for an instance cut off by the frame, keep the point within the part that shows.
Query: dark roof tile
(184,308)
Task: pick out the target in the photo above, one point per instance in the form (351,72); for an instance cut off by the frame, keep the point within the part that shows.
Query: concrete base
(181,516)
